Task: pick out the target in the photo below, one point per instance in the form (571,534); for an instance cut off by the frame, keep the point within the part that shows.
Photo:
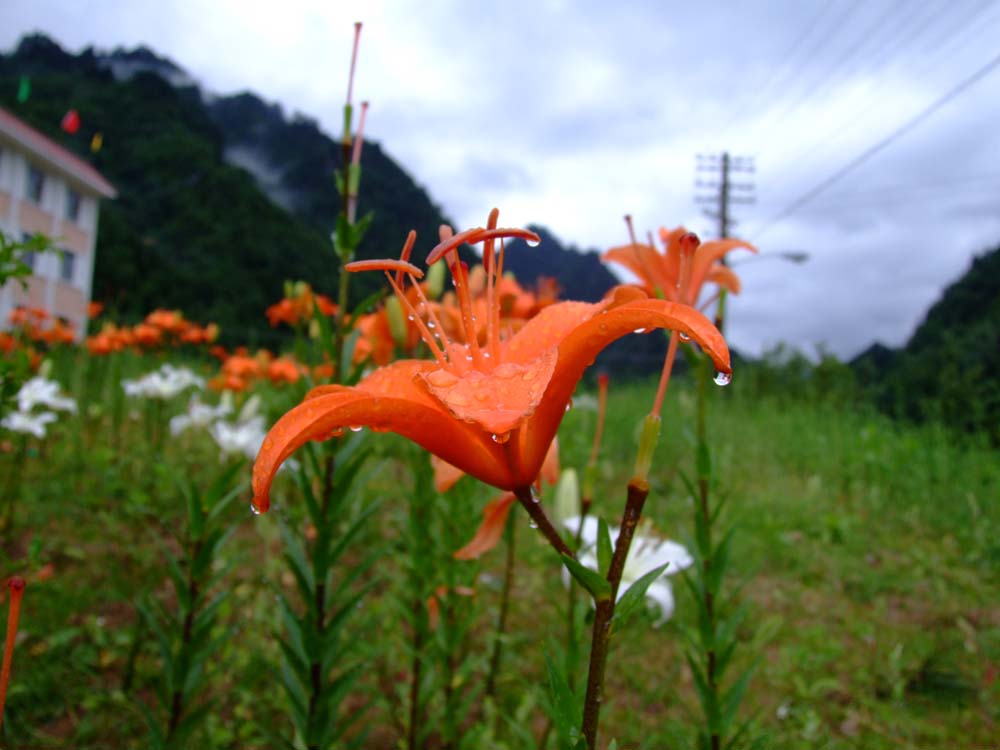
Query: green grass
(867,552)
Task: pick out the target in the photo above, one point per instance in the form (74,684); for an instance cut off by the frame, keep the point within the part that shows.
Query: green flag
(24,89)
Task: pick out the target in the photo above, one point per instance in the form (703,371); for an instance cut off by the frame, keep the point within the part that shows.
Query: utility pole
(726,193)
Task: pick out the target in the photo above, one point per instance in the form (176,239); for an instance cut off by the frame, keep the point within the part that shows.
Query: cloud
(572,114)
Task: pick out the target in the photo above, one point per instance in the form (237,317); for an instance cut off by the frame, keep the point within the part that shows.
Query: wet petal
(498,401)
(490,530)
(577,353)
(550,466)
(407,411)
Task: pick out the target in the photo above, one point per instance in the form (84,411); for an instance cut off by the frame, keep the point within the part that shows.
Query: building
(46,189)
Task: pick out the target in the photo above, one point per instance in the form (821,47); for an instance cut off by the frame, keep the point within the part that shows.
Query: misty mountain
(948,369)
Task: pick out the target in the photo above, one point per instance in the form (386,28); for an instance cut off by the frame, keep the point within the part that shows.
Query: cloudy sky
(571,114)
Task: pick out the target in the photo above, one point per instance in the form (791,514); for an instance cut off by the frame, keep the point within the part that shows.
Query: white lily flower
(647,553)
(33,424)
(44,392)
(239,437)
(199,415)
(164,383)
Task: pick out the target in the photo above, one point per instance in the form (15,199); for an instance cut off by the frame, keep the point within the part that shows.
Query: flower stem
(703,509)
(16,586)
(529,500)
(638,491)
(508,577)
(177,703)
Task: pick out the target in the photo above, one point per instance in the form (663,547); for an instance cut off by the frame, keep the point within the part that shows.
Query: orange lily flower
(676,274)
(297,307)
(491,410)
(284,370)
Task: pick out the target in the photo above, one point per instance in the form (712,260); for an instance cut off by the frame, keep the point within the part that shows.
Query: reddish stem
(16,585)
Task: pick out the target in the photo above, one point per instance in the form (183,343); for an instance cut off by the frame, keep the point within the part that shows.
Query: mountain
(581,273)
(221,199)
(948,370)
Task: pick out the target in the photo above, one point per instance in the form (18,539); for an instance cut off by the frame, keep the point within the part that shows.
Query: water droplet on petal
(356,428)
(254,509)
(639,330)
(500,438)
(532,524)
(410,317)
(532,243)
(723,378)
(684,336)
(430,324)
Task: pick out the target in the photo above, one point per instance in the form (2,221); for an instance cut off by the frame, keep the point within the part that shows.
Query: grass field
(867,552)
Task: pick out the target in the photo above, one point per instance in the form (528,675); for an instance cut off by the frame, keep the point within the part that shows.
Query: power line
(838,23)
(835,73)
(852,122)
(764,90)
(889,139)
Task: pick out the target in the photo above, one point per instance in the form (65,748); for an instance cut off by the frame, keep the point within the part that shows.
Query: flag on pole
(71,122)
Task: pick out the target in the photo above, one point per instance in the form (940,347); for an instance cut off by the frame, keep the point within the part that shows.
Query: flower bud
(397,321)
(647,445)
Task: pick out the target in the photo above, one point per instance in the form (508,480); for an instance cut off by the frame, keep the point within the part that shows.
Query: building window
(67,265)
(73,205)
(28,257)
(36,183)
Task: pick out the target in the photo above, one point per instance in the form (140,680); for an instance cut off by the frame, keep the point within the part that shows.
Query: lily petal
(707,255)
(646,263)
(490,530)
(498,401)
(582,345)
(725,278)
(388,400)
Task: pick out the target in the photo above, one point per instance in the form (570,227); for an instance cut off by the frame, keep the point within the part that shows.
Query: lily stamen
(414,316)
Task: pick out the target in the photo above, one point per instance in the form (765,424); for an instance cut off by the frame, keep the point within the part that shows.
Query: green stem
(12,484)
(638,491)
(508,577)
(177,702)
(703,508)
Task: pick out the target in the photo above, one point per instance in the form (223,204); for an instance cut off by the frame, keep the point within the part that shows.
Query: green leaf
(157,738)
(732,698)
(704,461)
(565,713)
(591,580)
(706,696)
(634,596)
(603,547)
(196,514)
(720,561)
(296,556)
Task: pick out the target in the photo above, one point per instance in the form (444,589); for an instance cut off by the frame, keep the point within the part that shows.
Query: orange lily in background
(675,274)
(297,306)
(491,410)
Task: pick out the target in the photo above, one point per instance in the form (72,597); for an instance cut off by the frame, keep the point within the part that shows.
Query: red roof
(57,157)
